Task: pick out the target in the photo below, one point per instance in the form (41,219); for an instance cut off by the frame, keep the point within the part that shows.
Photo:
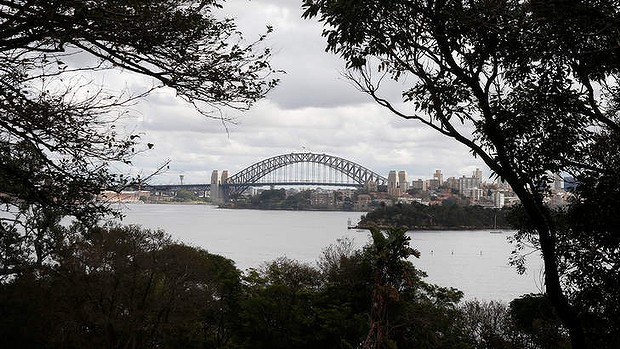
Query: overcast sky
(313,109)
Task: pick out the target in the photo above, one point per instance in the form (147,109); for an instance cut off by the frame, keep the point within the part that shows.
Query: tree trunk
(553,287)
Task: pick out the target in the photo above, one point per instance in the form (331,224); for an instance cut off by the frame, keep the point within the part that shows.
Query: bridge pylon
(214,188)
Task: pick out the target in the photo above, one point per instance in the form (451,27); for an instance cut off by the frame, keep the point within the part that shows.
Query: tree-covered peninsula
(448,217)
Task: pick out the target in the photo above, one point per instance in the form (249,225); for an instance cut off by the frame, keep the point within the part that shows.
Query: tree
(279,306)
(58,137)
(533,316)
(371,298)
(123,287)
(405,311)
(530,87)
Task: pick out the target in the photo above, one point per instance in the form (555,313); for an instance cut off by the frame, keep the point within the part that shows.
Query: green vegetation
(444,217)
(125,287)
(532,88)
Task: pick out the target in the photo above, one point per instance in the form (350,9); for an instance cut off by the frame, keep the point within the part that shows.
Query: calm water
(475,262)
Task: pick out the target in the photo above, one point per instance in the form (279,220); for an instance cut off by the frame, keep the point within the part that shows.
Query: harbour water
(476,262)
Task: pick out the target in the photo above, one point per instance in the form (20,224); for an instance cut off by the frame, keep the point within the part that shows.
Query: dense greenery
(418,216)
(532,89)
(124,287)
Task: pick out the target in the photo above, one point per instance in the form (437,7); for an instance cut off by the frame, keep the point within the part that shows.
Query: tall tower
(215,186)
(223,194)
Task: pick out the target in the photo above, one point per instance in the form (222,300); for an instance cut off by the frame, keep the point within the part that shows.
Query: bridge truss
(253,174)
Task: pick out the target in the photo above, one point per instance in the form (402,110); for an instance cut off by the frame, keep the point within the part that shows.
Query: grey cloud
(314,108)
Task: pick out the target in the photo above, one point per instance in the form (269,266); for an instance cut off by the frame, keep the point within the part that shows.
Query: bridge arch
(245,178)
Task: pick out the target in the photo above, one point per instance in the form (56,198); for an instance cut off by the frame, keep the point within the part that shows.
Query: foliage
(488,324)
(278,306)
(123,287)
(533,315)
(528,322)
(269,199)
(120,287)
(289,304)
(530,87)
(60,143)
(589,246)
(418,216)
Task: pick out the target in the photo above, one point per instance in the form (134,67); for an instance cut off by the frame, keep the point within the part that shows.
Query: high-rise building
(393,183)
(403,182)
(438,176)
(478,175)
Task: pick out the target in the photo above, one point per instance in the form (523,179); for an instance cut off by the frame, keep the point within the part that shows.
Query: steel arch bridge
(242,180)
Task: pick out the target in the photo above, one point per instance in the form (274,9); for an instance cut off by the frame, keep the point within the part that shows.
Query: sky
(313,109)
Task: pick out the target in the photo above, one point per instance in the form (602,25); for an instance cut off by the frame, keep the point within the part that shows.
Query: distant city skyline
(400,176)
